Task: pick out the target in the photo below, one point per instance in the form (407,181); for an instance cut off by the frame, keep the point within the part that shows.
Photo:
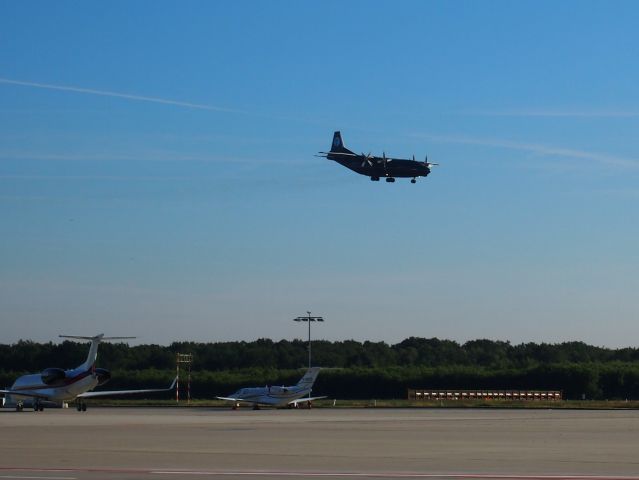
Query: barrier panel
(458,394)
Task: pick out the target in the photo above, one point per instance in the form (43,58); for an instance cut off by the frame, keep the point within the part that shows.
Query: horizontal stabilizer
(97,337)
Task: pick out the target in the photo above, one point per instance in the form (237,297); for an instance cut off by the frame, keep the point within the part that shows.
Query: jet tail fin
(93,350)
(309,377)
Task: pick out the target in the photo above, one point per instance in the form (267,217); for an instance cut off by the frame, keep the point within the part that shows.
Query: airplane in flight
(57,386)
(376,167)
(277,396)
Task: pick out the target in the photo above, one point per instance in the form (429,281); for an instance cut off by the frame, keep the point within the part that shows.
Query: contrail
(552,113)
(105,93)
(534,148)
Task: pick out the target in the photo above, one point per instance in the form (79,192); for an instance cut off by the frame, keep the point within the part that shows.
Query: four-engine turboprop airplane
(376,167)
(58,386)
(277,396)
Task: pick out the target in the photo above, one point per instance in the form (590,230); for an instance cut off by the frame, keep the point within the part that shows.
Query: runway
(166,443)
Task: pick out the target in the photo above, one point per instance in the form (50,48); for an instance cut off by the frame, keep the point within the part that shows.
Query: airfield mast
(185,359)
(308,318)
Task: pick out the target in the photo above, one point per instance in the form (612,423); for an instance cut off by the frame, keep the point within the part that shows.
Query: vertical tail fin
(93,350)
(309,377)
(338,145)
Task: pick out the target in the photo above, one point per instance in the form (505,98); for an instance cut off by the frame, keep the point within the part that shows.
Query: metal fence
(451,394)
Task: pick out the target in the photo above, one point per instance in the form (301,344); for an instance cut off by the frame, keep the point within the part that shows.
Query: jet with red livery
(55,386)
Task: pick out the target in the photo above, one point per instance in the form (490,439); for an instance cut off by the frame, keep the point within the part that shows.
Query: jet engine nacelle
(102,375)
(52,376)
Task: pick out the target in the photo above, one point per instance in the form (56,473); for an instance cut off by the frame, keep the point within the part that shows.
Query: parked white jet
(57,385)
(277,396)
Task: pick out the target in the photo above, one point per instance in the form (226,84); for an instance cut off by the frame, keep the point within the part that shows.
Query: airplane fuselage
(376,167)
(276,396)
(380,168)
(75,382)
(271,395)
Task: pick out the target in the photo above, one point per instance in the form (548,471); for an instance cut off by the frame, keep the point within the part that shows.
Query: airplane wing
(337,154)
(304,399)
(229,399)
(22,393)
(106,393)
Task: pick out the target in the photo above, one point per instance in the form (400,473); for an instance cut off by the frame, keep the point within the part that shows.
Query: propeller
(367,159)
(385,160)
(426,162)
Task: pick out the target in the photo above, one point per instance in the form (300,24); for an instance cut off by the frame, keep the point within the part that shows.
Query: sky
(158,177)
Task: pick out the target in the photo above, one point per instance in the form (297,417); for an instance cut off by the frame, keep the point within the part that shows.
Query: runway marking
(38,478)
(301,474)
(477,476)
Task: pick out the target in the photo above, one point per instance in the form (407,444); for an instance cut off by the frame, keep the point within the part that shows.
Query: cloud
(165,101)
(552,113)
(115,178)
(106,93)
(536,148)
(142,156)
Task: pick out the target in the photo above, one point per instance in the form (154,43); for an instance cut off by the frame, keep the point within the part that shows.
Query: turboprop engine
(102,375)
(52,376)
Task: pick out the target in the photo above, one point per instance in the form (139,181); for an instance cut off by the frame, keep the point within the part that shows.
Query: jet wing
(230,399)
(106,393)
(22,393)
(304,399)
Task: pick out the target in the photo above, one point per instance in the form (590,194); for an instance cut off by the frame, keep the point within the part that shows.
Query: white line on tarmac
(475,476)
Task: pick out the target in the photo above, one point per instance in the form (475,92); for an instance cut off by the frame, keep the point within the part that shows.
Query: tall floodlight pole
(308,318)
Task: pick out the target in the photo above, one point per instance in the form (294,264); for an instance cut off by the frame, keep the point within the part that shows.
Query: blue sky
(157,175)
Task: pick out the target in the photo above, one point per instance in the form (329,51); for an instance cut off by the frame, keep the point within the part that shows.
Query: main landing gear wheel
(81,406)
(413,180)
(19,407)
(390,179)
(374,179)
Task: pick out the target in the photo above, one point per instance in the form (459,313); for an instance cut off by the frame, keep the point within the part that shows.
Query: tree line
(352,369)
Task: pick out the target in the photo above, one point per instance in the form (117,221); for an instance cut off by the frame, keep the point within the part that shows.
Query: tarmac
(171,443)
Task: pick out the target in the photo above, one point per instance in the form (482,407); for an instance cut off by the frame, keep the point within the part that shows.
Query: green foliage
(351,369)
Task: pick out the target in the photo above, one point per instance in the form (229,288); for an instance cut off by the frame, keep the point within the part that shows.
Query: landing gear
(374,179)
(19,406)
(37,406)
(390,179)
(235,406)
(80,406)
(413,180)
(256,407)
